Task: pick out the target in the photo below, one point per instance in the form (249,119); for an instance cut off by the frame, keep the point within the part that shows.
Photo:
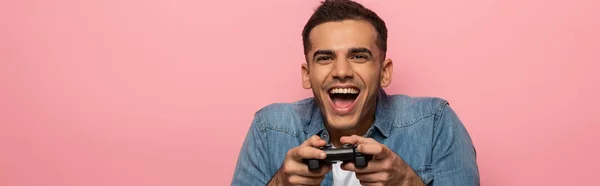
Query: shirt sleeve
(454,156)
(251,166)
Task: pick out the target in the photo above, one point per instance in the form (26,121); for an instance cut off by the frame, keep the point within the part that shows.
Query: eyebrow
(323,52)
(350,51)
(359,50)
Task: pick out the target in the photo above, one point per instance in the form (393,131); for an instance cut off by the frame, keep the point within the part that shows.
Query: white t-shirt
(342,177)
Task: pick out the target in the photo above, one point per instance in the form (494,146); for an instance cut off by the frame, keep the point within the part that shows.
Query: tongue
(342,102)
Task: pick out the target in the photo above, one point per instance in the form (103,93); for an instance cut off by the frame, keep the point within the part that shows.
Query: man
(413,140)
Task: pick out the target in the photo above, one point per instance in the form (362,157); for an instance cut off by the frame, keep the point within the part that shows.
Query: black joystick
(348,153)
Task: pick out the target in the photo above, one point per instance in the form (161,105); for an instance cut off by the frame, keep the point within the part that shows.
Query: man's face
(345,70)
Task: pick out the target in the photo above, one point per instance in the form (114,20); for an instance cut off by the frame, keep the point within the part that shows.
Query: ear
(386,73)
(305,76)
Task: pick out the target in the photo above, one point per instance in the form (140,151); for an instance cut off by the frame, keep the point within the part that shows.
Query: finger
(304,152)
(314,141)
(373,177)
(355,139)
(378,151)
(322,172)
(301,180)
(384,165)
(351,167)
(366,183)
(301,169)
(349,139)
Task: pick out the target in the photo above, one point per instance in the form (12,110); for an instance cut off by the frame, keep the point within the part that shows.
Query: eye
(359,58)
(323,58)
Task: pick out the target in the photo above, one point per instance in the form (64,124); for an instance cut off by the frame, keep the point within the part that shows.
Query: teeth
(343,91)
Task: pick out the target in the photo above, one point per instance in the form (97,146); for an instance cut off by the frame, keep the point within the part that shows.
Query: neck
(361,129)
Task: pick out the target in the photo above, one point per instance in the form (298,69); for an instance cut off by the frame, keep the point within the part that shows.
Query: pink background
(161,92)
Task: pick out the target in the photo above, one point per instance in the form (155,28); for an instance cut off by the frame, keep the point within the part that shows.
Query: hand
(295,172)
(386,168)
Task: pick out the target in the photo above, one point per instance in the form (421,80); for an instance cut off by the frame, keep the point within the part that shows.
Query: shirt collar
(382,123)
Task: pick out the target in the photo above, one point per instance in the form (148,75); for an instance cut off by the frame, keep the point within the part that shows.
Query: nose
(342,69)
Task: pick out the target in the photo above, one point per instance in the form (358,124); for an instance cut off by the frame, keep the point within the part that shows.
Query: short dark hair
(339,10)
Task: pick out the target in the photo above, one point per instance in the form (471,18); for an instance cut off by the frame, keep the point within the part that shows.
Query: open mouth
(343,99)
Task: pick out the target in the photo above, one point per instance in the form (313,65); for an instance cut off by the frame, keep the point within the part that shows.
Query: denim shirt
(424,131)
